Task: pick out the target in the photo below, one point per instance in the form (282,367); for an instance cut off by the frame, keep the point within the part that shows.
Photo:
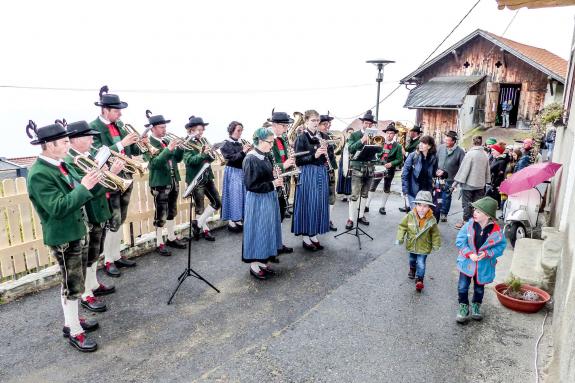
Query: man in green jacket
(164,182)
(97,212)
(391,159)
(58,195)
(114,136)
(194,160)
(361,172)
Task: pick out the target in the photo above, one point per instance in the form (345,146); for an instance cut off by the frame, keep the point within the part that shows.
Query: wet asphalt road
(340,315)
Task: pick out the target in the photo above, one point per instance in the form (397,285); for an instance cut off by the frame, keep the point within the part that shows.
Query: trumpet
(131,166)
(144,147)
(212,152)
(184,144)
(107,179)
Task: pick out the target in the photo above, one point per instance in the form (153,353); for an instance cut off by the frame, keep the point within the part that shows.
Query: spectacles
(269,142)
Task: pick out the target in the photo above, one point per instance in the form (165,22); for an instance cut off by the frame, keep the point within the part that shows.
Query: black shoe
(163,251)
(366,209)
(344,199)
(285,250)
(317,245)
(411,273)
(93,304)
(382,211)
(104,290)
(404,209)
(310,247)
(349,224)
(82,343)
(287,215)
(235,229)
(208,236)
(176,244)
(196,230)
(259,275)
(124,262)
(332,226)
(269,271)
(274,259)
(363,221)
(88,325)
(111,270)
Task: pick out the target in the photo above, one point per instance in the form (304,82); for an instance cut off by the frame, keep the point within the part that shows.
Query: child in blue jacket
(480,242)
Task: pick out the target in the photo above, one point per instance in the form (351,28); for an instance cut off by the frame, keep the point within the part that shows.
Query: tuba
(107,179)
(292,132)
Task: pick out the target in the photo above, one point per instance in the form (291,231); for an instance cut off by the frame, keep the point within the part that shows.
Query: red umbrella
(529,177)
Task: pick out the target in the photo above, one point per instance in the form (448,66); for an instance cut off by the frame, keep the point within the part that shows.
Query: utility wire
(424,61)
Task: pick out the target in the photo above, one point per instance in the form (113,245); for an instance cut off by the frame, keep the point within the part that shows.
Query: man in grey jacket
(473,175)
(449,158)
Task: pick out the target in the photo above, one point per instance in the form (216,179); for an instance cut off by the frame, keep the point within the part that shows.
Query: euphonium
(107,179)
(144,147)
(293,130)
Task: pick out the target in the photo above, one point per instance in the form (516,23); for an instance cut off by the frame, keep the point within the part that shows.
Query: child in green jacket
(421,234)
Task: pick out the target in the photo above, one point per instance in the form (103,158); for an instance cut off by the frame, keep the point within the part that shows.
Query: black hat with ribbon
(108,100)
(416,128)
(80,129)
(368,116)
(280,118)
(48,133)
(195,121)
(391,128)
(325,118)
(155,120)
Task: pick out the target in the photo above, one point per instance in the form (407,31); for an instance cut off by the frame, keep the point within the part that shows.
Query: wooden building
(465,86)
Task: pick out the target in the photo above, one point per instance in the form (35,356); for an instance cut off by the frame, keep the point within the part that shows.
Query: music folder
(367,154)
(195,181)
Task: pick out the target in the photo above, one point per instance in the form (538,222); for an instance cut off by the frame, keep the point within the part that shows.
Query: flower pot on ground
(521,297)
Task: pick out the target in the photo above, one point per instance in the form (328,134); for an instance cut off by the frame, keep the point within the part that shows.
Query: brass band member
(391,158)
(361,173)
(262,236)
(194,160)
(234,191)
(324,126)
(164,182)
(116,138)
(97,211)
(311,205)
(58,194)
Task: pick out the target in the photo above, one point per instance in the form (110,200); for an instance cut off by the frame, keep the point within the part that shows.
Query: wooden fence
(22,250)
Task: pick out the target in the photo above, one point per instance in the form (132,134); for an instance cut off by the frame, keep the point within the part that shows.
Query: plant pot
(521,305)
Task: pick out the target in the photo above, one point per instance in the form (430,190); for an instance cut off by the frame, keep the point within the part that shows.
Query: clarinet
(324,143)
(277,174)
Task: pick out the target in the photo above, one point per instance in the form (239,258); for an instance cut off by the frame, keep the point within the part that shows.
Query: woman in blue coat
(419,169)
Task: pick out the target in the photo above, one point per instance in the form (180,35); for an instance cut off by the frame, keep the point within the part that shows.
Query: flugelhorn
(107,179)
(130,165)
(143,146)
(183,143)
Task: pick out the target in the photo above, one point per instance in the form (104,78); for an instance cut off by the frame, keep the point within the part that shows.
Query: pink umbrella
(529,177)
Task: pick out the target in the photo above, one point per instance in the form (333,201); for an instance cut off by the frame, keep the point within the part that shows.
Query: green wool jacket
(354,145)
(395,156)
(194,161)
(276,155)
(58,204)
(97,209)
(419,241)
(159,165)
(105,138)
(412,146)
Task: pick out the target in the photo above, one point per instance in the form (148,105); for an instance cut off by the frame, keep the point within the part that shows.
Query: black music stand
(365,155)
(189,272)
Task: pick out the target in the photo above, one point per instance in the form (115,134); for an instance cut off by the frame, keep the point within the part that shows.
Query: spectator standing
(449,159)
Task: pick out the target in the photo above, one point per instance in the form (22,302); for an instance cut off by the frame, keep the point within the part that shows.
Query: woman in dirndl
(343,178)
(234,191)
(311,206)
(262,235)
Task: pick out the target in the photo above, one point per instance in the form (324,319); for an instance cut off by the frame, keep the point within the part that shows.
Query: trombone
(144,147)
(107,179)
(131,166)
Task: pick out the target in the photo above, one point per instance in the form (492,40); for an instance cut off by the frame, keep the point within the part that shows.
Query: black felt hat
(155,120)
(80,129)
(48,133)
(108,100)
(280,118)
(391,128)
(452,134)
(416,129)
(195,121)
(325,117)
(368,116)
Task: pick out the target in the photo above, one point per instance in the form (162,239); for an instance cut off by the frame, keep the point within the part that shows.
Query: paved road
(342,315)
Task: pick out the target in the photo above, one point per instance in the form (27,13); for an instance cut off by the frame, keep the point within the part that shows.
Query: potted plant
(521,297)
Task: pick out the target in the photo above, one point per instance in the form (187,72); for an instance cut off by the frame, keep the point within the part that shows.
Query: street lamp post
(379,64)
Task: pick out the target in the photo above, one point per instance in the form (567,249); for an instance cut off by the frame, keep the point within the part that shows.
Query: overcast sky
(231,60)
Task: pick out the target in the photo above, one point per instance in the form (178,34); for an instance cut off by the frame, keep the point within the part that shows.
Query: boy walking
(480,242)
(421,234)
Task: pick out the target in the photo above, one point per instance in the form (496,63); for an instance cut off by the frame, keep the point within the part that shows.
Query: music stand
(366,154)
(189,272)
